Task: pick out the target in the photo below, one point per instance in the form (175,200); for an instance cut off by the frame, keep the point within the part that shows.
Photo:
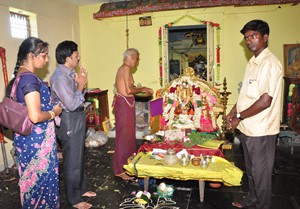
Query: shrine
(189,104)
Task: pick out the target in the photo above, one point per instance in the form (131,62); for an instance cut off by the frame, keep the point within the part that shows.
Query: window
(20,25)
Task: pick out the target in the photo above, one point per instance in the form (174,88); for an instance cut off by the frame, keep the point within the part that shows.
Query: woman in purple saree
(36,152)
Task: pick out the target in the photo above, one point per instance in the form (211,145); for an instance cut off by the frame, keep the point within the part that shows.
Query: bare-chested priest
(124,102)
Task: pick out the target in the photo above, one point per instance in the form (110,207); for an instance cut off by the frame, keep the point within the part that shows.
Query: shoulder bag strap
(15,84)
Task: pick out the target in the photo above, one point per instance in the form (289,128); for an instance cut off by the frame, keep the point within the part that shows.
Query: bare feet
(89,194)
(83,205)
(237,204)
(125,177)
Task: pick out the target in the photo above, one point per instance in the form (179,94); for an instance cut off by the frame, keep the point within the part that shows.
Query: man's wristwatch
(238,115)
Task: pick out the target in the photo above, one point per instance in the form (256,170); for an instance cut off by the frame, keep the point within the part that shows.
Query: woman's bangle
(52,115)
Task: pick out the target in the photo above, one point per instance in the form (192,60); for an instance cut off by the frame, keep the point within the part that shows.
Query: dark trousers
(71,135)
(259,153)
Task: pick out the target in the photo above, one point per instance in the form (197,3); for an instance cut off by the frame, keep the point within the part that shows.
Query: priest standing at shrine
(124,110)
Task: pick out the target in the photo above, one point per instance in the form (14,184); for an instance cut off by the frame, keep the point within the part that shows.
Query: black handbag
(14,115)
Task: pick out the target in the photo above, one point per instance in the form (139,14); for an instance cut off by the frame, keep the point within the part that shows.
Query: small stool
(288,134)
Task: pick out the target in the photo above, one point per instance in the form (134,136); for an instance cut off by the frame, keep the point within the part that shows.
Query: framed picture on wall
(292,60)
(145,21)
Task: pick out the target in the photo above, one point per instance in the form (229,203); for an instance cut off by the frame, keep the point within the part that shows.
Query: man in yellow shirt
(256,115)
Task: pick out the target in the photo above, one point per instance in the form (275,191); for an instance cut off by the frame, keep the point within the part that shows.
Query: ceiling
(86,2)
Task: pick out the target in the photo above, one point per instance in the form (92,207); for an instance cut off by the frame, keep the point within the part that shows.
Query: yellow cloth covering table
(143,165)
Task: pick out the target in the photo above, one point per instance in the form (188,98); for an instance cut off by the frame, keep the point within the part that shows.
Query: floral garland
(218,30)
(198,96)
(160,58)
(218,48)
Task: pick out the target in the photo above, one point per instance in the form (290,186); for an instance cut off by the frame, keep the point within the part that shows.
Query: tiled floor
(112,191)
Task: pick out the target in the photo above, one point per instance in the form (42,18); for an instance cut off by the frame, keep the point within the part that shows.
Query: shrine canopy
(124,8)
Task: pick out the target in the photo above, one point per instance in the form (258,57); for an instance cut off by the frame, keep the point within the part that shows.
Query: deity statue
(207,117)
(185,99)
(184,110)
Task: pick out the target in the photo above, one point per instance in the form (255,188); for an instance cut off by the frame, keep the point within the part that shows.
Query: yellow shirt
(263,74)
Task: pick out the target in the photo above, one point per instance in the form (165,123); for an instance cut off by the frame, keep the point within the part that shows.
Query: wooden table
(143,165)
